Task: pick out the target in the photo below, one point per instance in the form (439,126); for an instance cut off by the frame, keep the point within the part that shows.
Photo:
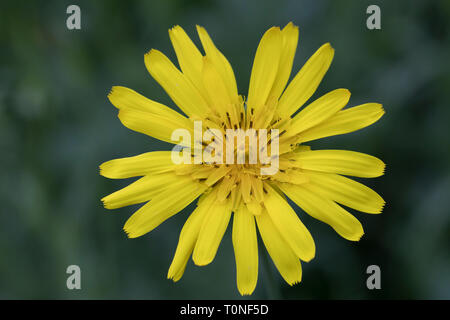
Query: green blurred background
(57,126)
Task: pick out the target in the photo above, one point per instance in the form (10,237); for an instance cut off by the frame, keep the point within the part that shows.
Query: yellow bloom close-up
(205,90)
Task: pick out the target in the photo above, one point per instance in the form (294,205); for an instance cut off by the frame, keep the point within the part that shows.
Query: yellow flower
(205,90)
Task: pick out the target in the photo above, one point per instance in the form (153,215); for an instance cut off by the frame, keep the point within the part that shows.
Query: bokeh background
(57,126)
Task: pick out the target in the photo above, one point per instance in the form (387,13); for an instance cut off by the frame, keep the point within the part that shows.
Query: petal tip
(172,276)
(130,233)
(151,53)
(199,260)
(106,203)
(245,292)
(295,282)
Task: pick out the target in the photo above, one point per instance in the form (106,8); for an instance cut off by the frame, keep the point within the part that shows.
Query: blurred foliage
(57,126)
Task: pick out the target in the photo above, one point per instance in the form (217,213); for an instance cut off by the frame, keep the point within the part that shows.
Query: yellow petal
(254,207)
(302,148)
(189,57)
(290,38)
(217,174)
(282,255)
(292,176)
(140,165)
(141,190)
(236,198)
(176,84)
(306,81)
(246,186)
(151,124)
(125,98)
(188,238)
(345,121)
(265,68)
(344,162)
(221,63)
(215,87)
(225,187)
(245,250)
(319,111)
(288,223)
(325,210)
(164,205)
(211,233)
(346,191)
(147,116)
(257,189)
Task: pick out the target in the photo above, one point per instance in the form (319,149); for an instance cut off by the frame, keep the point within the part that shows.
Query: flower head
(206,92)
